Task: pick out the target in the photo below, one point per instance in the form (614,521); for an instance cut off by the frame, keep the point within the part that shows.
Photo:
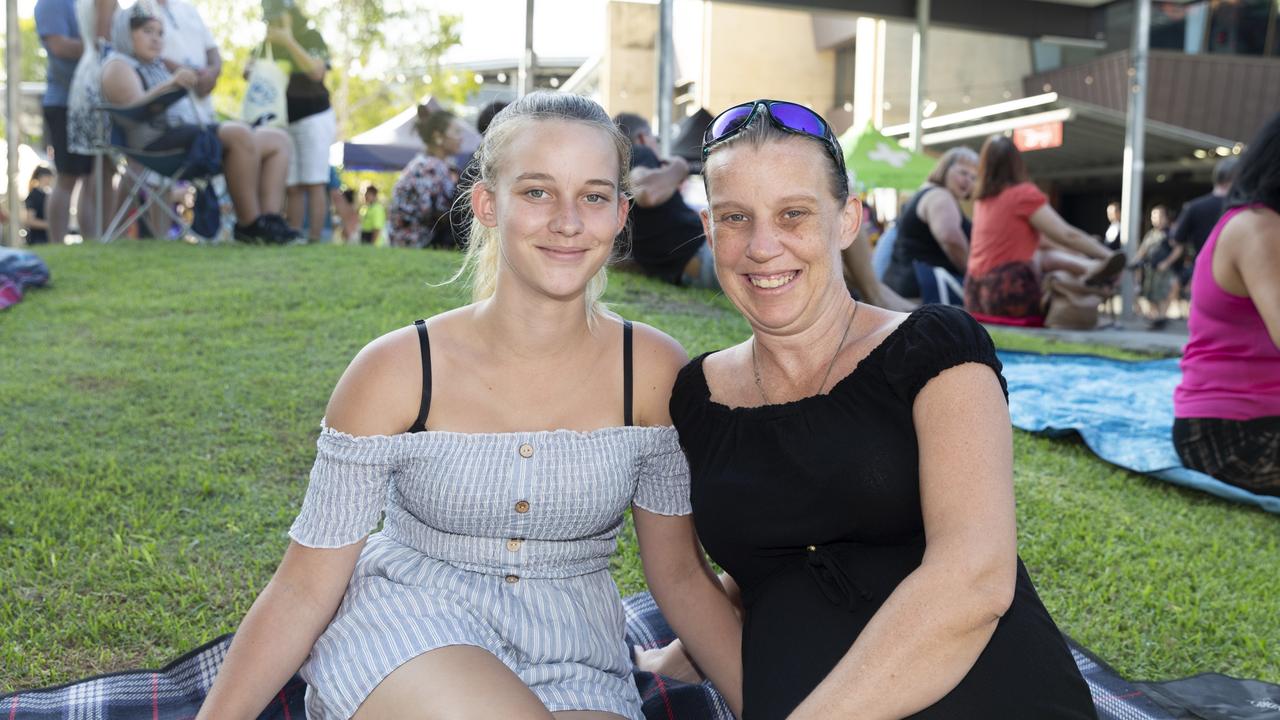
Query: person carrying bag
(264,98)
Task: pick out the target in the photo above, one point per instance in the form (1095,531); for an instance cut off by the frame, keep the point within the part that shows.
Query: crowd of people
(100,56)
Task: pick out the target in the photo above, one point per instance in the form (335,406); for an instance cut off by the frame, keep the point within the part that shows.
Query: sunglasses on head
(786,116)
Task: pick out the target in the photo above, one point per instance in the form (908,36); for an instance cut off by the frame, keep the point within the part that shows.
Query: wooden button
(526,451)
(514,544)
(513,579)
(522,506)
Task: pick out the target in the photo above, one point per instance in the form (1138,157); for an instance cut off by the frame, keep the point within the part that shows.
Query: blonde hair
(484,252)
(959,153)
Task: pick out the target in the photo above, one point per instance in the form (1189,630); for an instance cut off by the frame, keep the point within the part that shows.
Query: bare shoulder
(378,393)
(1255,228)
(658,358)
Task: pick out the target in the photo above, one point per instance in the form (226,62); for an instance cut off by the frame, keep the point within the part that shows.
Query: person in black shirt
(666,234)
(312,123)
(933,231)
(34,219)
(852,467)
(1199,216)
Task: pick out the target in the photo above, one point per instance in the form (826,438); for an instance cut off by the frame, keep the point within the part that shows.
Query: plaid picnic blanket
(176,691)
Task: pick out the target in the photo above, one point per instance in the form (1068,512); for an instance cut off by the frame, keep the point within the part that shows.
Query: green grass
(161,402)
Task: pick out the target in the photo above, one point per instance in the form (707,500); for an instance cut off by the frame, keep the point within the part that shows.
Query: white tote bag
(265,95)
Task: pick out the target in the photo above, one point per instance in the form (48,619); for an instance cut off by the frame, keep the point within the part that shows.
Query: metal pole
(919,57)
(528,61)
(1134,164)
(13,87)
(666,76)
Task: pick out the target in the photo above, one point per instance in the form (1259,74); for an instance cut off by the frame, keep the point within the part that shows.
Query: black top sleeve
(936,338)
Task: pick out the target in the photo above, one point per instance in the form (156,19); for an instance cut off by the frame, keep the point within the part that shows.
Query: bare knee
(234,134)
(459,682)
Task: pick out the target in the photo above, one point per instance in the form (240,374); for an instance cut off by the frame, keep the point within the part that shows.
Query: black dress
(813,507)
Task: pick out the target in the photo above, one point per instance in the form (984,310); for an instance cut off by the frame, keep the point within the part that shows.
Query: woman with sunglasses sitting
(852,466)
(255,160)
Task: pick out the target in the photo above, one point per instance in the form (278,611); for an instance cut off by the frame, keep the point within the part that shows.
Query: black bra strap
(626,372)
(424,343)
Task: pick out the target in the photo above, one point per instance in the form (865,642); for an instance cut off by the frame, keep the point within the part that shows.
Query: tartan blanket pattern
(176,691)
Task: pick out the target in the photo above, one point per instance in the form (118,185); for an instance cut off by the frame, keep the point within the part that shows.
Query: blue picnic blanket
(1122,409)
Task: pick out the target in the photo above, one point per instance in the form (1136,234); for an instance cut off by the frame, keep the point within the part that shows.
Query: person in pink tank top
(1227,407)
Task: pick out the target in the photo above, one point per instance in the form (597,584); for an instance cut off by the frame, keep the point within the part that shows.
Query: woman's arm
(684,586)
(940,211)
(280,32)
(278,632)
(1048,222)
(692,599)
(926,636)
(122,87)
(276,635)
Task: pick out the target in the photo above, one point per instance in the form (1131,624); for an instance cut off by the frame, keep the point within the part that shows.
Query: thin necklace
(755,362)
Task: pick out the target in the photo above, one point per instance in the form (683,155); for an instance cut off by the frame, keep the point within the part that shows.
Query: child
(373,217)
(1158,256)
(33,218)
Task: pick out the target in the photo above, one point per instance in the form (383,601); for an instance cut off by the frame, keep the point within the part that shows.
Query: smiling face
(777,231)
(556,206)
(148,40)
(961,177)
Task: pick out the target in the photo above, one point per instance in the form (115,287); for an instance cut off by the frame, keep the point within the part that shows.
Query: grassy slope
(162,400)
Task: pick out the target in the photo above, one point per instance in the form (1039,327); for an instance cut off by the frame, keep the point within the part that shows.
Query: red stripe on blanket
(13,709)
(285,704)
(155,697)
(666,700)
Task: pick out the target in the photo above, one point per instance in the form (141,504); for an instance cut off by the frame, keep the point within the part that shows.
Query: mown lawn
(161,401)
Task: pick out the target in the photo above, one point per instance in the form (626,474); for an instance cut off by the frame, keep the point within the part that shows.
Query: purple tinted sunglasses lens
(729,121)
(798,117)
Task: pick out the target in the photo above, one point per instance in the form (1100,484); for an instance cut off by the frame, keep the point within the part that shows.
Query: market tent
(391,145)
(879,162)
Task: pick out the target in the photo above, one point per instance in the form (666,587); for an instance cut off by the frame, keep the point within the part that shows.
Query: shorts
(55,137)
(312,136)
(1011,290)
(1244,453)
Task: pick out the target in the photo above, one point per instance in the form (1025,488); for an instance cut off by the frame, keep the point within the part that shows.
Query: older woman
(852,466)
(933,231)
(255,161)
(422,196)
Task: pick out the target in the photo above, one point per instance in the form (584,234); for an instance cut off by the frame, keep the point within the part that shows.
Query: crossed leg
(459,682)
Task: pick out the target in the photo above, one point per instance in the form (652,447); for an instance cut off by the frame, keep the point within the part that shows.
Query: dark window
(1239,27)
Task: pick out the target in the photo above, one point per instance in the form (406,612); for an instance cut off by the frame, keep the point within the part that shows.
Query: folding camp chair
(161,171)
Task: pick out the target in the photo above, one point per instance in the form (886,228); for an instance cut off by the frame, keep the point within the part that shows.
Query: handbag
(264,98)
(1070,304)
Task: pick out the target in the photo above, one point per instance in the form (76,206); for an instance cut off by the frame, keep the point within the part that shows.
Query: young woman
(505,448)
(1018,238)
(254,160)
(1227,407)
(852,466)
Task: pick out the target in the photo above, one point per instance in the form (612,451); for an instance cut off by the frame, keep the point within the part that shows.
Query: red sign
(1038,137)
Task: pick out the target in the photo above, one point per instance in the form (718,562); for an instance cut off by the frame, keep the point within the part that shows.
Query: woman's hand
(279,31)
(185,78)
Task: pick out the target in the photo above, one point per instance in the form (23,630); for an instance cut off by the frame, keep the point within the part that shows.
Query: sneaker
(281,228)
(255,233)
